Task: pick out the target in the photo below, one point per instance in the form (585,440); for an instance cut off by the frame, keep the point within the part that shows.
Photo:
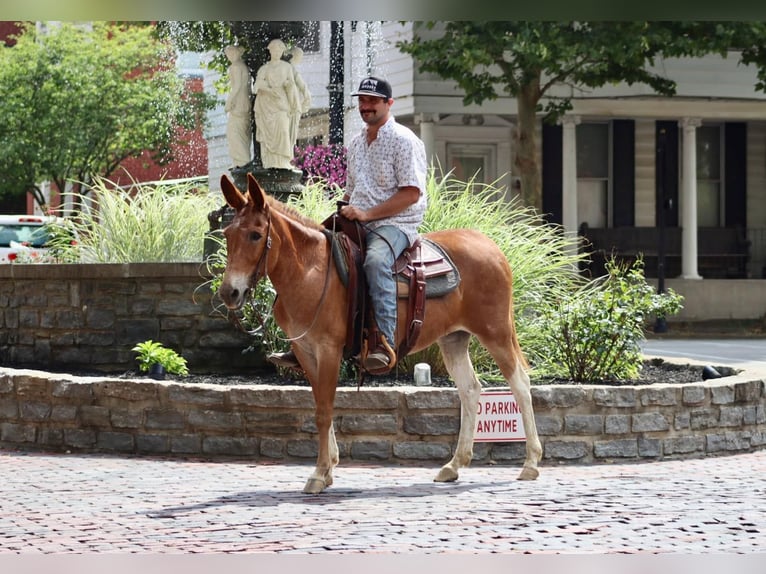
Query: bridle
(258,275)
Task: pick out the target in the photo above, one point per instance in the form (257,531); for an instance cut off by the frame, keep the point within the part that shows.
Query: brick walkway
(86,504)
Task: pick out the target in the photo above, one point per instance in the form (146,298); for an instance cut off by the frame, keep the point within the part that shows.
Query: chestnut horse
(267,238)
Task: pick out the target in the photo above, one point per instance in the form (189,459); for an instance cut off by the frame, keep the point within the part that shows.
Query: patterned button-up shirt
(396,158)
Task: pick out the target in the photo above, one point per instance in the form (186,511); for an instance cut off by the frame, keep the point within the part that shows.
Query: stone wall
(576,423)
(90,316)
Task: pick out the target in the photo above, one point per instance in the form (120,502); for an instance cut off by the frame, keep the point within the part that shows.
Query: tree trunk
(526,163)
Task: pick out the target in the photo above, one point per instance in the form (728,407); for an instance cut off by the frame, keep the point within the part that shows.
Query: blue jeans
(384,245)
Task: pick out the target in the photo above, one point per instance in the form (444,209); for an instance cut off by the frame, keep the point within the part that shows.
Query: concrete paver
(90,504)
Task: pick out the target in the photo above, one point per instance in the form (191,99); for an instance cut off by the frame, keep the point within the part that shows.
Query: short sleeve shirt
(396,158)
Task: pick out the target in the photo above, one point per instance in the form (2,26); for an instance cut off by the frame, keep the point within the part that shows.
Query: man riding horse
(386,193)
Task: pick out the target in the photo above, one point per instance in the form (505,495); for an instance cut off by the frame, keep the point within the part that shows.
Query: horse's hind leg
(454,348)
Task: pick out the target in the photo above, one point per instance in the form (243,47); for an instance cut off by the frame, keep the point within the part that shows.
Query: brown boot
(381,358)
(286,360)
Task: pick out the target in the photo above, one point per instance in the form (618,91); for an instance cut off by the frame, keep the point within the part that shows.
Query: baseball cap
(373,86)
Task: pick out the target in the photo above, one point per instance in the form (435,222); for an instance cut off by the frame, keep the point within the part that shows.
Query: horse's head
(247,240)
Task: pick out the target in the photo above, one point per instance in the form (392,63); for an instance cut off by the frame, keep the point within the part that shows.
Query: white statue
(238,130)
(304,95)
(276,98)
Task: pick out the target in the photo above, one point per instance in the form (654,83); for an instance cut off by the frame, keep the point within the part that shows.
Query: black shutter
(624,173)
(735,174)
(667,182)
(552,174)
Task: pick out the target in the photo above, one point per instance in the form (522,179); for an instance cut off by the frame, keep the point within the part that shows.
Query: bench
(722,252)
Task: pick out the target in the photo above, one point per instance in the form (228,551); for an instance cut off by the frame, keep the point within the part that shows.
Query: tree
(531,61)
(79,100)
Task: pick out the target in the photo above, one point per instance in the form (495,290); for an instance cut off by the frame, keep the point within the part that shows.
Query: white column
(426,123)
(569,177)
(689,200)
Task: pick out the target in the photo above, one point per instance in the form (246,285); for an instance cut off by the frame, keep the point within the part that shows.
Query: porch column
(569,178)
(689,200)
(426,123)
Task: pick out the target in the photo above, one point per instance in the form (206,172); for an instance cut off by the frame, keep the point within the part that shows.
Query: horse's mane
(292,213)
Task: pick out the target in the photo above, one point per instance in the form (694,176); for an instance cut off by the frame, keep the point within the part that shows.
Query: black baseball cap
(373,86)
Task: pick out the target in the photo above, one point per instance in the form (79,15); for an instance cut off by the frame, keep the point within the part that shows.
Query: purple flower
(326,163)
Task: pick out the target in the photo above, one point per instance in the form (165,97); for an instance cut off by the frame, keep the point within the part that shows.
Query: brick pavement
(88,504)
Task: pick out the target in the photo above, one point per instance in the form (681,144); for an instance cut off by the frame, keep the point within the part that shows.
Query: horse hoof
(315,486)
(528,473)
(446,474)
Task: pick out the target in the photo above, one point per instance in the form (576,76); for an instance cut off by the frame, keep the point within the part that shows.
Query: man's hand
(354,213)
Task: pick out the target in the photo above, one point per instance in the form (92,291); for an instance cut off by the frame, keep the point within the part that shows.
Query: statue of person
(238,130)
(304,95)
(276,96)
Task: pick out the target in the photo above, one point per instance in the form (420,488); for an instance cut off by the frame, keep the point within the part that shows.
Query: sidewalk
(94,504)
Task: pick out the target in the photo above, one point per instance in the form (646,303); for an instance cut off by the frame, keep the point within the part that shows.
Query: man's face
(373,109)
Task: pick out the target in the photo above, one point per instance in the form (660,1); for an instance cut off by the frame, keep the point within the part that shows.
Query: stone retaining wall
(576,423)
(65,317)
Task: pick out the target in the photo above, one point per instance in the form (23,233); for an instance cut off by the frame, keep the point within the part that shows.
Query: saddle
(423,271)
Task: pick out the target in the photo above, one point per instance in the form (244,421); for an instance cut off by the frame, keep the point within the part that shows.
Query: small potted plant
(157,360)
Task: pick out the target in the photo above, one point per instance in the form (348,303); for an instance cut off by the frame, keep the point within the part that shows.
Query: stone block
(232,446)
(115,441)
(616,424)
(584,424)
(197,395)
(704,418)
(302,448)
(186,443)
(273,422)
(432,399)
(273,447)
(566,450)
(427,424)
(649,422)
(153,443)
(368,424)
(548,425)
(694,395)
(659,396)
(34,410)
(620,397)
(547,397)
(622,448)
(420,450)
(727,441)
(731,416)
(508,451)
(218,421)
(94,415)
(721,395)
(17,433)
(649,447)
(371,449)
(165,419)
(683,445)
(80,438)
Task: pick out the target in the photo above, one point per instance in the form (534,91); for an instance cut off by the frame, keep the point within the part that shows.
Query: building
(601,165)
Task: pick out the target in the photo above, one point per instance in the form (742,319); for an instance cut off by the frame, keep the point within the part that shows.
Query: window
(593,174)
(471,161)
(709,176)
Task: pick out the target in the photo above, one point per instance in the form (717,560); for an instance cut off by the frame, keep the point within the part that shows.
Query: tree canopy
(78,100)
(530,60)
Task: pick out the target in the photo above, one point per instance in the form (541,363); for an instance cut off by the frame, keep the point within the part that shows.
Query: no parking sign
(499,418)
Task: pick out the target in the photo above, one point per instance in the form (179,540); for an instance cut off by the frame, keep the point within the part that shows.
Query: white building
(600,165)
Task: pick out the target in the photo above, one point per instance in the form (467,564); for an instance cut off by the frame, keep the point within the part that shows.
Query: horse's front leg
(324,380)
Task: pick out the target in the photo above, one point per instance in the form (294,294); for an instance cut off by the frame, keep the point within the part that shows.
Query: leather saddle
(423,271)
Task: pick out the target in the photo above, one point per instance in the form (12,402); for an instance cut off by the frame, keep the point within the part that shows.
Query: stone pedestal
(281,183)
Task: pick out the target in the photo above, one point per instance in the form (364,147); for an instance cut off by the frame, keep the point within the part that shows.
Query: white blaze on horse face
(234,288)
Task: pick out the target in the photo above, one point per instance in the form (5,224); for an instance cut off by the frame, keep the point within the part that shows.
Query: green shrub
(595,333)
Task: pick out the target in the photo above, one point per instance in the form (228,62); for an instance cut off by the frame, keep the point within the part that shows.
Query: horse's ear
(233,196)
(256,192)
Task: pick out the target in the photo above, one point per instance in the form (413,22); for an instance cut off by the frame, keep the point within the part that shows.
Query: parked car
(24,237)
